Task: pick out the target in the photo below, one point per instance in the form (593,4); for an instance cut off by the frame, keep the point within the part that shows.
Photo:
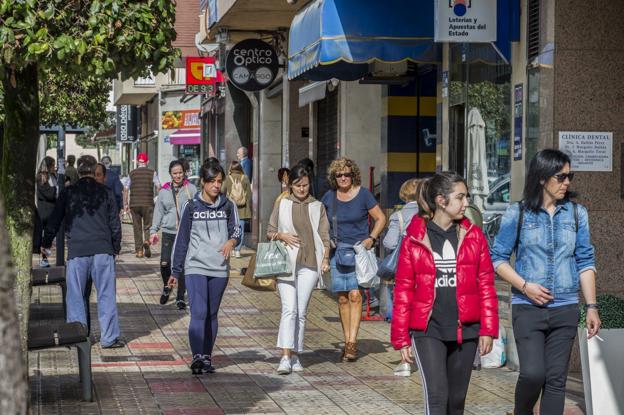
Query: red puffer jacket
(414,292)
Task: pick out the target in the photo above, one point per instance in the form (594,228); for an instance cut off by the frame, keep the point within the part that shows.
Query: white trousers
(295,296)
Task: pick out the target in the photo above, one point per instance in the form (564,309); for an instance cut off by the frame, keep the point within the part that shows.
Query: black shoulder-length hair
(544,165)
(210,172)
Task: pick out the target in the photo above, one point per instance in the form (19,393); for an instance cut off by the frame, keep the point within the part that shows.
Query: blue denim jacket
(550,250)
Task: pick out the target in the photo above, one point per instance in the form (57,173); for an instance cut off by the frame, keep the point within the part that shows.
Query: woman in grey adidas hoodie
(208,233)
(171,199)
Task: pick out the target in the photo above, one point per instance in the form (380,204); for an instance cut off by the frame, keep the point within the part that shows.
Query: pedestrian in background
(113,181)
(245,161)
(208,232)
(309,165)
(282,176)
(47,192)
(171,199)
(93,234)
(349,206)
(70,170)
(301,223)
(445,303)
(399,221)
(141,186)
(549,234)
(238,189)
(100,174)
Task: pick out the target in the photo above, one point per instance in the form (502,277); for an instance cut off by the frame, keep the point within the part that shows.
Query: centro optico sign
(252,65)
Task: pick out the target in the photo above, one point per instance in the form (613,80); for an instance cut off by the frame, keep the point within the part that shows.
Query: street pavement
(151,375)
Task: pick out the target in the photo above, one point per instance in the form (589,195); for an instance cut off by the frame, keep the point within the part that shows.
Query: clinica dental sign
(252,65)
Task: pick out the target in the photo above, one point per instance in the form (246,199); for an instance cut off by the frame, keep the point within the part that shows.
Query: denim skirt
(343,278)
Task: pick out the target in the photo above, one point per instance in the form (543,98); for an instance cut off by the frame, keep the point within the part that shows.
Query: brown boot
(139,254)
(350,352)
(146,250)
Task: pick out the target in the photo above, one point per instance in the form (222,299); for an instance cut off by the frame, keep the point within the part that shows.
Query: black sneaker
(117,344)
(181,304)
(164,297)
(146,250)
(197,366)
(208,367)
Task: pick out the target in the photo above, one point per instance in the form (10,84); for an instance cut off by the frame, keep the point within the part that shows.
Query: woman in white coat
(301,223)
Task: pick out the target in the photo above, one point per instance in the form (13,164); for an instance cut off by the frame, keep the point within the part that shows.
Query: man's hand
(592,322)
(227,248)
(538,294)
(485,345)
(153,239)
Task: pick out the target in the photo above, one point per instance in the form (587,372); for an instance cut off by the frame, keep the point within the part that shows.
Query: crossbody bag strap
(175,202)
(401,222)
(519,226)
(335,216)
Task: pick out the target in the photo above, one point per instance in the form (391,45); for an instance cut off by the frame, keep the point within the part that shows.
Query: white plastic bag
(497,357)
(365,266)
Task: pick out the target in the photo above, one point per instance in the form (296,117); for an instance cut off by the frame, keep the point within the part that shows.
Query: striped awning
(190,136)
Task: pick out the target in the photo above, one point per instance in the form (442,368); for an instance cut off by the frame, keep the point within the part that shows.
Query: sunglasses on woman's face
(562,176)
(341,175)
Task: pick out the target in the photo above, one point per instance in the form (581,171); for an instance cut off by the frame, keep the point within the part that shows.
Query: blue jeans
(205,294)
(242,223)
(101,267)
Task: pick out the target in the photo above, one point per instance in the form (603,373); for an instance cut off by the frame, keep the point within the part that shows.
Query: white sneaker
(403,369)
(284,367)
(296,364)
(44,263)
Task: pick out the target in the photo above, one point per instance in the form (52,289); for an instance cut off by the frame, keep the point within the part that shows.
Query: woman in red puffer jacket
(445,304)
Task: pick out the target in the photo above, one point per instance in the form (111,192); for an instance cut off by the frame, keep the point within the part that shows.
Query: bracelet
(523,289)
(373,238)
(592,305)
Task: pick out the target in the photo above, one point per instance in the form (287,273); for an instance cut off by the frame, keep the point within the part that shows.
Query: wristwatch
(592,305)
(373,238)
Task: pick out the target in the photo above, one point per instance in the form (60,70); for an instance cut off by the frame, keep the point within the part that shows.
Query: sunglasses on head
(562,176)
(340,175)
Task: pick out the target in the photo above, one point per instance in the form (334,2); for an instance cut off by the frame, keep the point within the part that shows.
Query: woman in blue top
(554,256)
(348,206)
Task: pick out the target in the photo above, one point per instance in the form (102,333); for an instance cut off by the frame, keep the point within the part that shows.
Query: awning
(190,136)
(339,38)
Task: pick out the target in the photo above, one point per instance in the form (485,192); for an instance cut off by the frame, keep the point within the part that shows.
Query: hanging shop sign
(252,65)
(127,123)
(588,151)
(172,120)
(469,21)
(202,76)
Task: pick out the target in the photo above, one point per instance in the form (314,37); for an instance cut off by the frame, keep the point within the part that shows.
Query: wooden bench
(47,276)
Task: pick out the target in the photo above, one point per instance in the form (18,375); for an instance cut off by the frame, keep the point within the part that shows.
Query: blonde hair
(409,190)
(339,165)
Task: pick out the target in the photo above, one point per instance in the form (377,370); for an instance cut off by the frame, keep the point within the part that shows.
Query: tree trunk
(17,183)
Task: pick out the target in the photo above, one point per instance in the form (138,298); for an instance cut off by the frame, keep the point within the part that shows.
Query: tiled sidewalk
(151,374)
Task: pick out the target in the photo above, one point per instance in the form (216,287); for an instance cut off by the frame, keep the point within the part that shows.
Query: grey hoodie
(204,229)
(165,217)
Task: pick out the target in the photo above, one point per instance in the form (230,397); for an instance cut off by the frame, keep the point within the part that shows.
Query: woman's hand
(325,266)
(368,243)
(227,248)
(153,239)
(406,354)
(592,322)
(538,294)
(172,282)
(289,239)
(485,345)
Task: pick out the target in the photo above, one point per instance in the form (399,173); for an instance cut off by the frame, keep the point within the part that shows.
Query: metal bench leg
(84,366)
(64,293)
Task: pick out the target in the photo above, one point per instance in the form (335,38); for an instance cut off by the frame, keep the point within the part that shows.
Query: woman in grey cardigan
(171,199)
(399,221)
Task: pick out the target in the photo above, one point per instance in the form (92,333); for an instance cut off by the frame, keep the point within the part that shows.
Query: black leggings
(544,340)
(445,368)
(166,250)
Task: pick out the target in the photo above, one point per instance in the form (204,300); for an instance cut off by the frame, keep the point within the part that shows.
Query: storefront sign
(252,65)
(202,76)
(127,123)
(180,119)
(470,21)
(589,151)
(518,117)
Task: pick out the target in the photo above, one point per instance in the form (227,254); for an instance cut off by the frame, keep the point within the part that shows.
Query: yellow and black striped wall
(408,113)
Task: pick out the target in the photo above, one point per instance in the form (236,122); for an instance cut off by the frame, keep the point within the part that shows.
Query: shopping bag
(497,357)
(365,266)
(272,260)
(258,284)
(387,268)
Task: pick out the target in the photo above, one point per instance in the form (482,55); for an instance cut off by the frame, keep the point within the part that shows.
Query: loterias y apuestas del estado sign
(252,65)
(469,21)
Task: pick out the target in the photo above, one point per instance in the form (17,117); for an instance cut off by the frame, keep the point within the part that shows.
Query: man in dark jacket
(93,233)
(113,182)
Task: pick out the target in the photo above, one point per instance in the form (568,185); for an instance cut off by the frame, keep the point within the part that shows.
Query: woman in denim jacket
(554,255)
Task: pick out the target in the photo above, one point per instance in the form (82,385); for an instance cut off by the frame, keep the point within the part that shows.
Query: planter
(603,371)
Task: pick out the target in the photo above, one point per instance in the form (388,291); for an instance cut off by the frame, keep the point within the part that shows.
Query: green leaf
(95,7)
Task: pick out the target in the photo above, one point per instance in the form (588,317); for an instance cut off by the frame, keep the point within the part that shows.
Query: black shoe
(146,250)
(208,367)
(197,366)
(181,304)
(164,297)
(117,344)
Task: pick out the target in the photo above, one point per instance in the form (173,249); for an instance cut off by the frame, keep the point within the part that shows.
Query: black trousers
(445,368)
(166,251)
(544,339)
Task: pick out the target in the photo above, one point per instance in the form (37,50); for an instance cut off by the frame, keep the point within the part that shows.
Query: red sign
(202,75)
